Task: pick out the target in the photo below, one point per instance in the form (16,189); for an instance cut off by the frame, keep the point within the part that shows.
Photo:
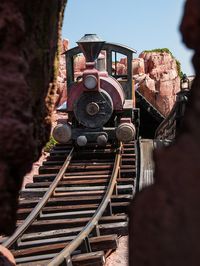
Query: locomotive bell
(90,45)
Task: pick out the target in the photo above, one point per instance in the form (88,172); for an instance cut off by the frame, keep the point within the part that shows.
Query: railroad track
(74,211)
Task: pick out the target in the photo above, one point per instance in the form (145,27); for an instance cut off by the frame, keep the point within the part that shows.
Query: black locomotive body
(100,103)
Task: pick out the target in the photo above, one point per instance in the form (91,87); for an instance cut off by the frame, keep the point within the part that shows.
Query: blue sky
(141,24)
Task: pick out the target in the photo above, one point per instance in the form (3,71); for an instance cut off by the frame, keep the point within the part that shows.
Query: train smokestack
(90,45)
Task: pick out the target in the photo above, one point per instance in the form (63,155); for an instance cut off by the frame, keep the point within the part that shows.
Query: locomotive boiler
(100,103)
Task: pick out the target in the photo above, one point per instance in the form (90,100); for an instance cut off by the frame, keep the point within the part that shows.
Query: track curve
(68,215)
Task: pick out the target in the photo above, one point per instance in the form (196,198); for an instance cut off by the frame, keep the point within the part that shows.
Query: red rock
(138,66)
(61,93)
(79,63)
(121,69)
(161,68)
(147,87)
(123,61)
(64,45)
(162,82)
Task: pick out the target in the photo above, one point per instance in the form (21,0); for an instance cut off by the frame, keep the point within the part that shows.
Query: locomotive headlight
(90,82)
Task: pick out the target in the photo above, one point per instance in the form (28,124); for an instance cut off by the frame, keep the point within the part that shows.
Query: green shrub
(50,144)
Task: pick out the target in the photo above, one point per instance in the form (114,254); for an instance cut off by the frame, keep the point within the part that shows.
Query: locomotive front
(95,104)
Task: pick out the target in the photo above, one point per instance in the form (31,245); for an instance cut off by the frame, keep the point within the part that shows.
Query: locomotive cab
(100,107)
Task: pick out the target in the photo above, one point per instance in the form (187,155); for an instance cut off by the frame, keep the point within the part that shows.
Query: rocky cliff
(156,74)
(79,65)
(61,92)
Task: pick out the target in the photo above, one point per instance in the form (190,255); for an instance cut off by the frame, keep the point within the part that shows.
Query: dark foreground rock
(29,32)
(165,218)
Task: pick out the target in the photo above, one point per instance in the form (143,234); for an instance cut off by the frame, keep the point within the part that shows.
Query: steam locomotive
(100,102)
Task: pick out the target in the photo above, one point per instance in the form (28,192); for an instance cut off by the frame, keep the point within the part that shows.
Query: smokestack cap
(91,46)
(90,38)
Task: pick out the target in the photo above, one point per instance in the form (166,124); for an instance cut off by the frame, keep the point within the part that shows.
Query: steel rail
(65,254)
(32,216)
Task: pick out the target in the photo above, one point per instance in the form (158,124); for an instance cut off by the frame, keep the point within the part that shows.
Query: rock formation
(28,52)
(161,79)
(138,66)
(61,92)
(79,66)
(165,218)
(157,76)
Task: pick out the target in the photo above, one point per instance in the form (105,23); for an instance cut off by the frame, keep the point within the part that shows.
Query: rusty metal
(37,210)
(66,252)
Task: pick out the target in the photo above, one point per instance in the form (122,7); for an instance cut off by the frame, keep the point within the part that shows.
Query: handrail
(170,126)
(150,107)
(166,130)
(30,219)
(67,251)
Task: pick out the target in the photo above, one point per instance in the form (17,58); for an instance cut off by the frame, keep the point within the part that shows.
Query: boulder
(161,68)
(138,66)
(61,92)
(121,69)
(64,45)
(79,63)
(157,78)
